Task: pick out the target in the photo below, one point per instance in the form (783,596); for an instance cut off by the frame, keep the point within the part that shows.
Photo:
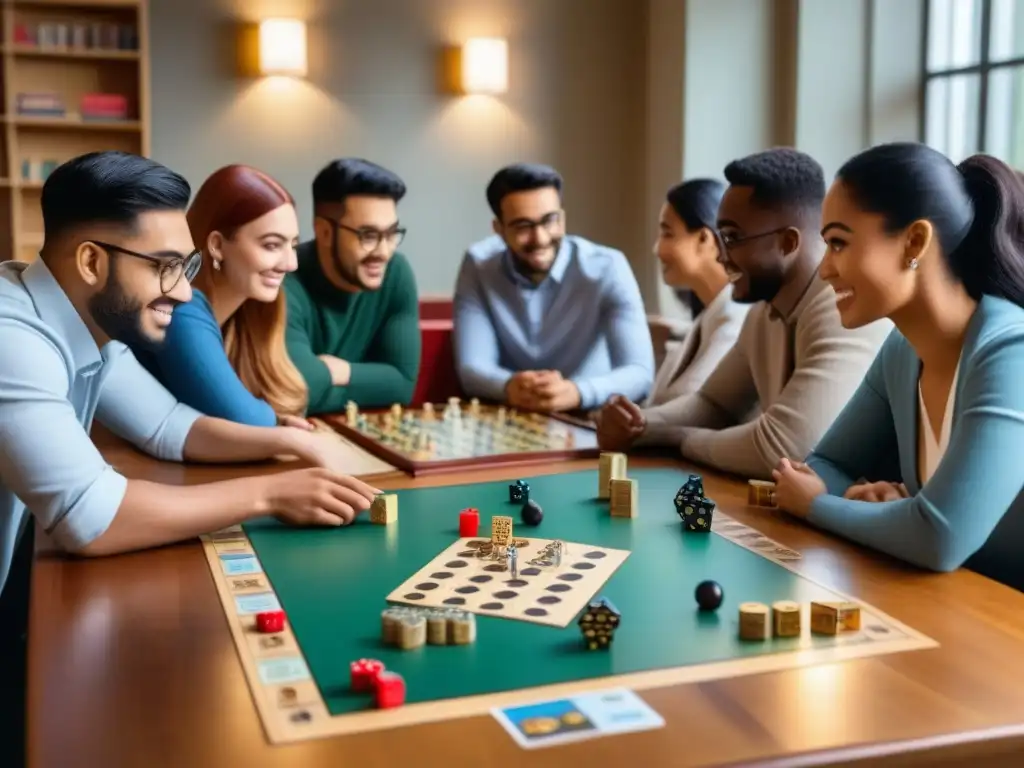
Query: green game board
(332,585)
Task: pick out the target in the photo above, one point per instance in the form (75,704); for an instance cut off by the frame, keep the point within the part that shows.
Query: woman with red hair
(224,353)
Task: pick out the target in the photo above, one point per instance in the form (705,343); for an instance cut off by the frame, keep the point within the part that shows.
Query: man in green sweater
(353,309)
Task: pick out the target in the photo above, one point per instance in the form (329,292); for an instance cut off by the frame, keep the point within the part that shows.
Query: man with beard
(117,258)
(794,366)
(353,309)
(544,320)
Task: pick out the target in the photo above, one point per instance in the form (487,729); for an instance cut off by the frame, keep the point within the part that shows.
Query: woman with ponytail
(225,353)
(924,463)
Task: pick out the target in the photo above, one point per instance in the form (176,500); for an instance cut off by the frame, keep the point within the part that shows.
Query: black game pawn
(709,595)
(532,513)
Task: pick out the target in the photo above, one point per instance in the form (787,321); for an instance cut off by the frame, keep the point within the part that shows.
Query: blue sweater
(192,365)
(971,511)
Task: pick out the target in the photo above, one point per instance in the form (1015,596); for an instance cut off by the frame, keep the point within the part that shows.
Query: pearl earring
(216,265)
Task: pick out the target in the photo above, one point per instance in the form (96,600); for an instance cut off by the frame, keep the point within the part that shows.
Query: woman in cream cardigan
(688,248)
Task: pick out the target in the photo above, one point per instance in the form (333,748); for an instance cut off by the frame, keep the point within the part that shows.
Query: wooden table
(131,664)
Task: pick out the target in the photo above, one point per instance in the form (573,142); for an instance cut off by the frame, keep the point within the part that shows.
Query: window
(974,78)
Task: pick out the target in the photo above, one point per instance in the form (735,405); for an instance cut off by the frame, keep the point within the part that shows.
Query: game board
(481,435)
(542,592)
(334,583)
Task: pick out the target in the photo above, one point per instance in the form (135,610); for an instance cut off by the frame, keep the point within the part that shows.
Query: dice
(697,516)
(694,486)
(269,622)
(390,690)
(364,673)
(519,492)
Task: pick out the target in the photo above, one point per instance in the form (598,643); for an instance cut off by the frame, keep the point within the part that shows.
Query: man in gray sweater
(794,366)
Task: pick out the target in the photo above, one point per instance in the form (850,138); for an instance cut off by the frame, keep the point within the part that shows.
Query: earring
(216,264)
(912,263)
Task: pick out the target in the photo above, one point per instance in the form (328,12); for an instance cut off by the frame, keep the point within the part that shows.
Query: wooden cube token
(760,493)
(786,618)
(623,494)
(501,530)
(833,618)
(754,621)
(384,509)
(611,466)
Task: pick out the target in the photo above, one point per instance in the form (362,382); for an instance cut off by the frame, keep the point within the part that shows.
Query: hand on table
(796,486)
(341,371)
(317,497)
(620,422)
(880,491)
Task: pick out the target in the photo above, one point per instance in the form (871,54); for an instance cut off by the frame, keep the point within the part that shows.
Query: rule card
(559,721)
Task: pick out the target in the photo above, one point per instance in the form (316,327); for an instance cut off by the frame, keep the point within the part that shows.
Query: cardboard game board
(333,586)
(463,576)
(479,435)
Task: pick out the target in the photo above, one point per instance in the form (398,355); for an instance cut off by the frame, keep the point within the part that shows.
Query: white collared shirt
(53,381)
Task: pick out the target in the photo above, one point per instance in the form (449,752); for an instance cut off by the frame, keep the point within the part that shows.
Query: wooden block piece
(786,618)
(623,497)
(760,493)
(501,530)
(437,628)
(833,618)
(461,628)
(384,509)
(610,466)
(754,621)
(412,631)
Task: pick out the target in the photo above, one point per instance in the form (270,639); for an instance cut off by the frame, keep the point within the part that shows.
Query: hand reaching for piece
(620,422)
(796,487)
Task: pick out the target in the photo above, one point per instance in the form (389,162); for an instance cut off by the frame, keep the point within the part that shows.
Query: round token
(709,595)
(532,513)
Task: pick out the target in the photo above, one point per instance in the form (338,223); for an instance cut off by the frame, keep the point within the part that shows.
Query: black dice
(519,491)
(695,511)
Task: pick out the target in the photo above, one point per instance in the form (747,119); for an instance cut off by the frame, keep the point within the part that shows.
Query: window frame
(983,69)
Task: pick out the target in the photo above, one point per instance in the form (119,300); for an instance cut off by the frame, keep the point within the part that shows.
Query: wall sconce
(480,65)
(282,47)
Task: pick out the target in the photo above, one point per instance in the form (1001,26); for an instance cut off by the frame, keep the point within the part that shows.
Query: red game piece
(469,523)
(270,621)
(364,674)
(390,690)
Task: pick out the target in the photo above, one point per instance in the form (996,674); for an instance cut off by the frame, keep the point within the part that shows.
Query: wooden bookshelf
(74,79)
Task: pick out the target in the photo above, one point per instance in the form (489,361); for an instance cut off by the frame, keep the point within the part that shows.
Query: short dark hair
(780,177)
(353,176)
(520,177)
(976,208)
(696,203)
(109,188)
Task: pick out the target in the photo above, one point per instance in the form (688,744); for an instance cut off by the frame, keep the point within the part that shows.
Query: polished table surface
(131,664)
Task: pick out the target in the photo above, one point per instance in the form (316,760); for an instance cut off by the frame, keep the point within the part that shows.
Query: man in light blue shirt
(117,258)
(544,320)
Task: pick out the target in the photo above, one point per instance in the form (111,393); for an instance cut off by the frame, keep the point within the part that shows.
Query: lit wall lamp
(480,65)
(281,47)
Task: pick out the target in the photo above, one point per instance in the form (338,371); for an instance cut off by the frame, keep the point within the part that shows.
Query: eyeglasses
(523,228)
(729,242)
(370,238)
(172,266)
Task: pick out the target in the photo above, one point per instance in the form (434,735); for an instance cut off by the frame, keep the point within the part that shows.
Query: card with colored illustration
(558,721)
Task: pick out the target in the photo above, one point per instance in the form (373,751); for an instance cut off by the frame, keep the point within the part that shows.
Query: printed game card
(560,721)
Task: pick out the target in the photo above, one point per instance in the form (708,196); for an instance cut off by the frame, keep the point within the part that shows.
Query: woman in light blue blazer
(926,463)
